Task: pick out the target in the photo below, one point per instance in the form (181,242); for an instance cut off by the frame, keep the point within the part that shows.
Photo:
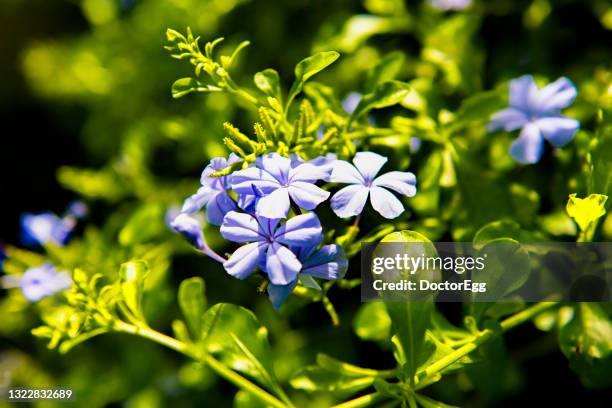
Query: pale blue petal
(349,201)
(403,182)
(219,205)
(556,96)
(558,130)
(196,202)
(244,180)
(508,119)
(239,227)
(275,164)
(330,262)
(523,93)
(326,163)
(282,266)
(216,183)
(349,104)
(279,293)
(245,259)
(344,172)
(190,229)
(274,205)
(301,231)
(308,172)
(527,149)
(385,203)
(45,228)
(369,164)
(306,195)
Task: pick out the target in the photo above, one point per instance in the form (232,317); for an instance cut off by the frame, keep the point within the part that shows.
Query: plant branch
(207,359)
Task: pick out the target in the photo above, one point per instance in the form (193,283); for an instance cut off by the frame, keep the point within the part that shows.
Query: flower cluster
(268,208)
(537,112)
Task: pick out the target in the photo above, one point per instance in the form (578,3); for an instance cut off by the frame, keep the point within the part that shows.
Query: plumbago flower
(329,263)
(39,282)
(267,243)
(361,176)
(46,227)
(280,182)
(537,112)
(214,192)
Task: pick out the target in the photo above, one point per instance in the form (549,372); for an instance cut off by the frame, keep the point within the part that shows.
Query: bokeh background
(86,85)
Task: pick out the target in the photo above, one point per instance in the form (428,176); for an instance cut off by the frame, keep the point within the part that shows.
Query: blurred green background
(86,84)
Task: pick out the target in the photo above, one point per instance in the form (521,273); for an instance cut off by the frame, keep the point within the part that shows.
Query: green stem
(363,401)
(483,337)
(207,359)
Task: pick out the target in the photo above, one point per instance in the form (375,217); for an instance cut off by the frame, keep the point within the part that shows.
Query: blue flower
(191,229)
(450,4)
(350,200)
(274,177)
(537,112)
(39,282)
(329,263)
(267,244)
(350,102)
(213,193)
(2,255)
(44,228)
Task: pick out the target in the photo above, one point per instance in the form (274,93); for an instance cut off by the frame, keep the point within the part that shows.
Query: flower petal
(403,182)
(349,201)
(274,205)
(369,164)
(300,231)
(330,262)
(385,203)
(244,180)
(527,149)
(279,293)
(556,96)
(523,92)
(275,164)
(282,266)
(219,205)
(558,130)
(308,172)
(190,229)
(195,202)
(344,172)
(245,259)
(306,195)
(508,119)
(239,227)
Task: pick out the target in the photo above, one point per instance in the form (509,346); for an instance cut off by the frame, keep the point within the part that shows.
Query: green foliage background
(105,81)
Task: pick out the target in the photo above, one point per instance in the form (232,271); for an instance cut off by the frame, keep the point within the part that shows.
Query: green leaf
(480,107)
(132,275)
(372,322)
(268,82)
(184,86)
(496,230)
(385,94)
(507,268)
(316,378)
(586,211)
(587,342)
(192,300)
(427,402)
(146,223)
(244,399)
(410,320)
(307,68)
(95,184)
(385,70)
(234,335)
